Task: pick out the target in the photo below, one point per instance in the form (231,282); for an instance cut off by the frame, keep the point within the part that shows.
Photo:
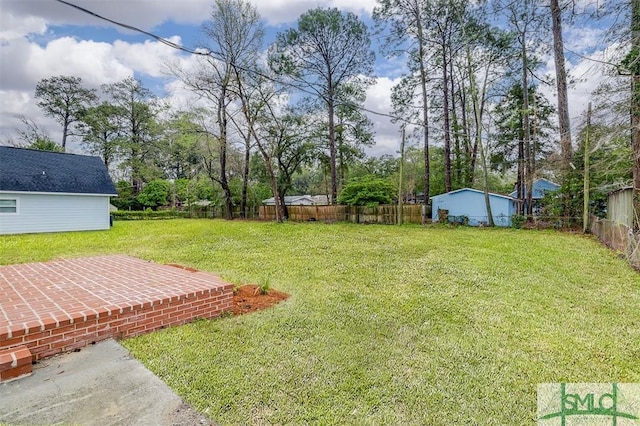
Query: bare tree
(33,136)
(235,33)
(279,133)
(257,106)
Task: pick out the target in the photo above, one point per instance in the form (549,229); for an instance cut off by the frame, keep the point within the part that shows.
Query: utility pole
(585,207)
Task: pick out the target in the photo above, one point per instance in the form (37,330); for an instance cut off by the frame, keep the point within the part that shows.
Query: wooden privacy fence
(385,214)
(619,237)
(210,212)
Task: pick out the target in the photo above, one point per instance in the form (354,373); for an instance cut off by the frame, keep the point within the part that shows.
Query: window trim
(16,199)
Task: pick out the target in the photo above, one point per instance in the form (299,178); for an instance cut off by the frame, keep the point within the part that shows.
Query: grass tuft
(265,285)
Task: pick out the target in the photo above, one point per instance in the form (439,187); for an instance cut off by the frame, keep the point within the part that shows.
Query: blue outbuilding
(469,204)
(541,187)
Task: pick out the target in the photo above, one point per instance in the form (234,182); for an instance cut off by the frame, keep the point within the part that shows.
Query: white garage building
(43,191)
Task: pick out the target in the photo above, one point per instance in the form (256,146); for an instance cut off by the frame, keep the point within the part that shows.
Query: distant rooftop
(292,200)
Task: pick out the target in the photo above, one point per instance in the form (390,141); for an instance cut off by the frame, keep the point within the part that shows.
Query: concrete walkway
(100,385)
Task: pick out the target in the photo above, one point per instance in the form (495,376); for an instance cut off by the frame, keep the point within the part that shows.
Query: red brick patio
(63,305)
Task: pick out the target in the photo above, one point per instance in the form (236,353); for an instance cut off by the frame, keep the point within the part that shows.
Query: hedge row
(148,214)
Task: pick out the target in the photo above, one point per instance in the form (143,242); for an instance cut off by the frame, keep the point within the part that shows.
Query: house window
(8,205)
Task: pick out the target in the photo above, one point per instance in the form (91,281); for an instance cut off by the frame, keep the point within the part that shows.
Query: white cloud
(15,104)
(24,63)
(387,134)
(582,39)
(278,12)
(587,74)
(13,27)
(142,13)
(147,14)
(14,56)
(181,98)
(94,62)
(147,58)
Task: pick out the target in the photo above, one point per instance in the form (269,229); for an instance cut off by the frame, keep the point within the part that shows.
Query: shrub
(148,214)
(367,191)
(155,193)
(125,199)
(517,220)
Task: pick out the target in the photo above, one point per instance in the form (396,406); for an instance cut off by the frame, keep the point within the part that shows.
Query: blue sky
(43,38)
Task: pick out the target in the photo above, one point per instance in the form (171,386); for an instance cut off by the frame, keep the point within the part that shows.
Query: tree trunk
(332,148)
(526,127)
(478,122)
(468,147)
(561,83)
(425,109)
(447,132)
(65,131)
(485,174)
(472,165)
(520,177)
(635,109)
(251,132)
(222,123)
(341,166)
(283,204)
(273,182)
(245,177)
(106,155)
(534,144)
(586,183)
(455,127)
(400,180)
(471,147)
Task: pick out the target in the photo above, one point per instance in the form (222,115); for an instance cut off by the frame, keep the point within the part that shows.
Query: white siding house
(292,200)
(43,191)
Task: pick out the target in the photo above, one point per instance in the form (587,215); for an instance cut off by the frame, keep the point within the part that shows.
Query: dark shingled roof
(30,170)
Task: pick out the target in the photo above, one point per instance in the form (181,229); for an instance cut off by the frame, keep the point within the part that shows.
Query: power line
(213,54)
(135,29)
(587,58)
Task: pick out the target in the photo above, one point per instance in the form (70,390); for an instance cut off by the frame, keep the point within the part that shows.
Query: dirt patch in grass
(249,298)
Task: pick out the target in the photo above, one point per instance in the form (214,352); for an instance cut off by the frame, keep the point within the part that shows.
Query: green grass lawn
(385,324)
